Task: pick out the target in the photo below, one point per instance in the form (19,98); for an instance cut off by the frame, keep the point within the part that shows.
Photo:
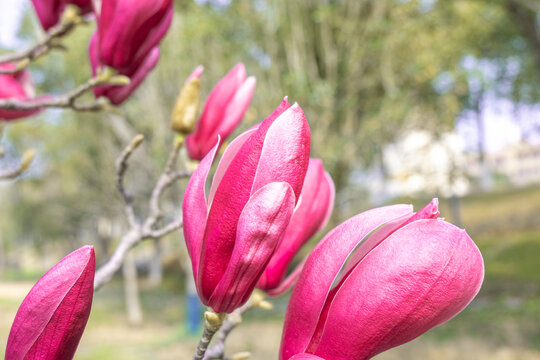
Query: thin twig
(25,57)
(21,168)
(212,323)
(121,167)
(217,351)
(64,101)
(146,229)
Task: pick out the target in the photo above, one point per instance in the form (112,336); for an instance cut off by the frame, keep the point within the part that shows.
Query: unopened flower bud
(186,108)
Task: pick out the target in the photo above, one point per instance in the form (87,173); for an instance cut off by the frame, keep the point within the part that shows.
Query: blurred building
(422,162)
(517,164)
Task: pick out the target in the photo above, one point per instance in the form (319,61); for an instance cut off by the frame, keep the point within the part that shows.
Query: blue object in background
(193,313)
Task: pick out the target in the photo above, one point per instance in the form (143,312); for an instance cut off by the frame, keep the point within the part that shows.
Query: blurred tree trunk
(155,267)
(131,291)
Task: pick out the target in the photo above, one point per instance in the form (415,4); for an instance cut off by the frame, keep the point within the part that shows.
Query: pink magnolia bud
(15,86)
(117,94)
(311,214)
(413,273)
(52,317)
(130,30)
(222,112)
(49,12)
(231,236)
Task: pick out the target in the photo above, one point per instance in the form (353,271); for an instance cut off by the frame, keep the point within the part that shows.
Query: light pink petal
(231,196)
(194,209)
(305,356)
(51,320)
(321,269)
(228,156)
(196,73)
(311,214)
(236,108)
(419,277)
(260,228)
(285,153)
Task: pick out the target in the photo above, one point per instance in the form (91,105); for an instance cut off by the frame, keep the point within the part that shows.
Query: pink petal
(285,153)
(288,282)
(321,269)
(419,277)
(196,73)
(51,320)
(194,209)
(231,196)
(228,156)
(311,214)
(129,31)
(260,228)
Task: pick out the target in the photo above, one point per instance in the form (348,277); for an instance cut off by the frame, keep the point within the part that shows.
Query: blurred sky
(500,129)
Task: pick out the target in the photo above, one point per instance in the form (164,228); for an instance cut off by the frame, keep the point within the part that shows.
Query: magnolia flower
(15,86)
(413,273)
(231,236)
(222,112)
(130,30)
(52,317)
(49,12)
(117,94)
(310,215)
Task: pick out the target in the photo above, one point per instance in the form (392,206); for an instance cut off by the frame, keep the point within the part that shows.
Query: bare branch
(23,166)
(138,232)
(70,20)
(217,351)
(121,167)
(65,101)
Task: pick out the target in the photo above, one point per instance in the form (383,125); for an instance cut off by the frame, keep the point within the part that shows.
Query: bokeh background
(407,100)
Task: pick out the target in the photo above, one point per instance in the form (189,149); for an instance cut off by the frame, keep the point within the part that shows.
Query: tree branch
(69,21)
(23,166)
(217,351)
(140,230)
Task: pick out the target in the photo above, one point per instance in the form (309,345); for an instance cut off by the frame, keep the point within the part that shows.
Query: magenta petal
(285,152)
(321,269)
(231,196)
(260,228)
(195,210)
(419,277)
(51,320)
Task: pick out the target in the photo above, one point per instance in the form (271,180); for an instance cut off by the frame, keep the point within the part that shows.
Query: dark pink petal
(16,86)
(285,153)
(48,12)
(321,269)
(311,214)
(137,74)
(260,228)
(419,277)
(51,320)
(194,209)
(231,196)
(129,30)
